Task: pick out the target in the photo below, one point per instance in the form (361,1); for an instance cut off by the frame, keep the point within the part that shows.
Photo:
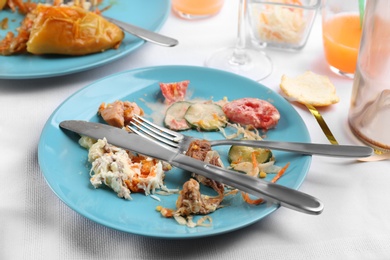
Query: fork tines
(147,129)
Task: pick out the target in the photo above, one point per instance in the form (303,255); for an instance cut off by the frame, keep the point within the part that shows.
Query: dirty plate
(64,162)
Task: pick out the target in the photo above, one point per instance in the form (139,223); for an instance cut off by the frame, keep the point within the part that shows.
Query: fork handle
(271,192)
(351,151)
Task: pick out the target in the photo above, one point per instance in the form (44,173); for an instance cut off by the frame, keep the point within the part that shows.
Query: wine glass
(240,59)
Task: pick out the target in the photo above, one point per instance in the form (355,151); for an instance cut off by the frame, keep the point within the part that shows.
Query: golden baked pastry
(2,3)
(71,30)
(309,88)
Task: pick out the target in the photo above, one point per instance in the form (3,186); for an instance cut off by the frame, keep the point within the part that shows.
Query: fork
(145,128)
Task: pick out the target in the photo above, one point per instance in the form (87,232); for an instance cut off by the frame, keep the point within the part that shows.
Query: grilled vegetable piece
(238,154)
(206,116)
(174,116)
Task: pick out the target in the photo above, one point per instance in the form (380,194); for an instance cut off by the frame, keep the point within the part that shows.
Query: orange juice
(341,36)
(196,8)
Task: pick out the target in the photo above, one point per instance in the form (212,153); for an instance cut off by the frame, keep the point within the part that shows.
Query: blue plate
(149,14)
(65,167)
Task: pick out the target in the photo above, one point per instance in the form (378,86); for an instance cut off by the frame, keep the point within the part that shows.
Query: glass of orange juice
(196,9)
(341,32)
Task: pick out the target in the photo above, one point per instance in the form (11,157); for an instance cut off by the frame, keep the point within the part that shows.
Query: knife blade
(271,192)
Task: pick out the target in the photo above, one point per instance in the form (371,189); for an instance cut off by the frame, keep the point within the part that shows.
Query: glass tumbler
(369,114)
(341,32)
(282,25)
(196,9)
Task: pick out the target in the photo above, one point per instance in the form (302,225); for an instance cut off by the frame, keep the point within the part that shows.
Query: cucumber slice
(238,154)
(206,116)
(174,116)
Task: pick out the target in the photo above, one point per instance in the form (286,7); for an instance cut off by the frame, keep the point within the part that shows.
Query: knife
(271,192)
(144,34)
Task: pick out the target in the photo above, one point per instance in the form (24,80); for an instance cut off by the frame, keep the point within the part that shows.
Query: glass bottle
(369,114)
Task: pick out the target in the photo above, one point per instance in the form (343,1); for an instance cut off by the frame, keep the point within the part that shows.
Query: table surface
(35,224)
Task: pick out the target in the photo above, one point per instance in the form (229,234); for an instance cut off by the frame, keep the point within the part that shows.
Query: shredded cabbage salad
(282,24)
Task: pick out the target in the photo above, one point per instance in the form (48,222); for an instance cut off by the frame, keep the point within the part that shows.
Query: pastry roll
(2,4)
(71,30)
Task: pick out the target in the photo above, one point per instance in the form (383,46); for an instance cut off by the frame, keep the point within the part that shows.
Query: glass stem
(239,56)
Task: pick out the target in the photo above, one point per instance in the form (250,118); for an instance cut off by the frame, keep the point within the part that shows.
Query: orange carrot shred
(248,200)
(254,160)
(280,173)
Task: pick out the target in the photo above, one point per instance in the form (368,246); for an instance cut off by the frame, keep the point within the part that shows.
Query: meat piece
(198,149)
(191,201)
(215,160)
(217,186)
(201,150)
(119,113)
(212,157)
(252,111)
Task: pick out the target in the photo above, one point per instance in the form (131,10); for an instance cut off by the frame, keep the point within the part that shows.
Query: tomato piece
(174,91)
(252,111)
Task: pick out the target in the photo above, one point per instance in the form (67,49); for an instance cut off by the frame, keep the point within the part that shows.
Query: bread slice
(309,88)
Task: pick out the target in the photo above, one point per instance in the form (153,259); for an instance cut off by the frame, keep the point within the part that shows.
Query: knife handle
(272,192)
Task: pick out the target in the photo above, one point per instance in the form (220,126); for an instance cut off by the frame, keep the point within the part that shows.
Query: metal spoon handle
(146,35)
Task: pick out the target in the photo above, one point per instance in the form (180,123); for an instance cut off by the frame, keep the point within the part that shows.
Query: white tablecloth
(35,224)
